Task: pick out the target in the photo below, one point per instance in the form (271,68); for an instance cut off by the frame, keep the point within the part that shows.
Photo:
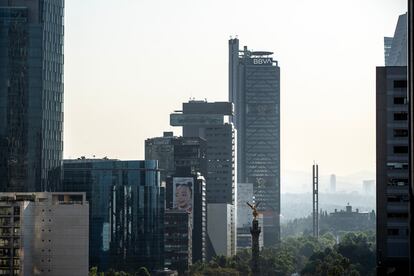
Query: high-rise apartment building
(43,234)
(100,179)
(392,170)
(254,89)
(31,94)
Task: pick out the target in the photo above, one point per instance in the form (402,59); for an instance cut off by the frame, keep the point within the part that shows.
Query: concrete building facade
(219,228)
(44,234)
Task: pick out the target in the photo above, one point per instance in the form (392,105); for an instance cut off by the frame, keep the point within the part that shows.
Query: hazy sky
(130,63)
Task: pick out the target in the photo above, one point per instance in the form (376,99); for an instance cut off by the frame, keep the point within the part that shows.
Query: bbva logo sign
(262,61)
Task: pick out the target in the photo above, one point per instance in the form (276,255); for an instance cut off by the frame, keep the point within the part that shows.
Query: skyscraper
(254,89)
(411,125)
(395,48)
(211,121)
(393,197)
(392,170)
(31,94)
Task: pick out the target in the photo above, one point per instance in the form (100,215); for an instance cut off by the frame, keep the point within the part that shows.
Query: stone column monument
(255,231)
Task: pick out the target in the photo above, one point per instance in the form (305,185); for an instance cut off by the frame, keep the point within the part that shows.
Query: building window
(398,215)
(398,181)
(393,232)
(400,149)
(400,116)
(400,100)
(397,165)
(400,132)
(397,198)
(400,84)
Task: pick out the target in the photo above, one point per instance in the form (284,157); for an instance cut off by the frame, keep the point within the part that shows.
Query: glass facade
(131,191)
(31,94)
(254,88)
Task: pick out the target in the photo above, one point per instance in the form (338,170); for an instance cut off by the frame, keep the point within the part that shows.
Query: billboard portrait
(183,191)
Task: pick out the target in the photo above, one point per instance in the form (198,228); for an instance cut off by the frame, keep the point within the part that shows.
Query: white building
(220,228)
(44,234)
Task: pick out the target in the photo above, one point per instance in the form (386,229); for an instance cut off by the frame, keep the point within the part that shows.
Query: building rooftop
(56,198)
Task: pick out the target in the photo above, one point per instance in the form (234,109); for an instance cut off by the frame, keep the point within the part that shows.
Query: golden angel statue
(254,208)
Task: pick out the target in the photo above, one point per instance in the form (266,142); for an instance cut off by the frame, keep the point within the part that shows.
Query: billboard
(183,191)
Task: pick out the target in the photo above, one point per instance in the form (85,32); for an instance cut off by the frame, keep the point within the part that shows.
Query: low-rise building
(44,234)
(347,220)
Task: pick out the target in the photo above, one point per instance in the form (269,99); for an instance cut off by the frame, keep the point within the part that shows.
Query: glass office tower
(31,94)
(126,211)
(254,89)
